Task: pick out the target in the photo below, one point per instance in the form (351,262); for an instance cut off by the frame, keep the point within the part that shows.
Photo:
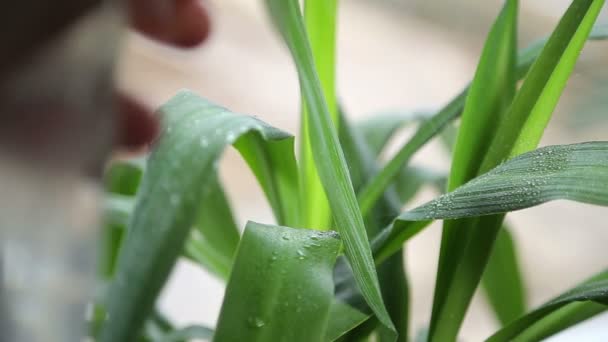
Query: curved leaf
(215,236)
(577,172)
(379,128)
(594,289)
(281,286)
(329,157)
(343,318)
(179,172)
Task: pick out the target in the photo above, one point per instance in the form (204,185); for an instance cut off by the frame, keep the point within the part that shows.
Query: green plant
(305,283)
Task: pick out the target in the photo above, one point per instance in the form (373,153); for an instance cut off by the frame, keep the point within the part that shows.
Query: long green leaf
(215,236)
(437,122)
(179,171)
(502,280)
(519,130)
(393,280)
(276,170)
(577,172)
(560,320)
(522,127)
(329,157)
(594,289)
(376,186)
(281,287)
(490,93)
(320,19)
(379,128)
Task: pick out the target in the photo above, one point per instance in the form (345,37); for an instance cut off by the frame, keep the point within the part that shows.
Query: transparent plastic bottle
(48,226)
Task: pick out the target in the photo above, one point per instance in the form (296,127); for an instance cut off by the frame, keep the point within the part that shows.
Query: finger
(183,23)
(137,126)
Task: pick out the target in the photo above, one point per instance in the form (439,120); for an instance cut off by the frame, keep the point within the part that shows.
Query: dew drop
(174,199)
(256,322)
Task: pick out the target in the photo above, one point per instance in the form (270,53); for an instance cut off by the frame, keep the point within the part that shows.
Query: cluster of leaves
(299,280)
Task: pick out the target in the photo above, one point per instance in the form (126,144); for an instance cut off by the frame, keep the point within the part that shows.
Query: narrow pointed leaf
(523,125)
(519,131)
(428,129)
(491,91)
(179,172)
(215,236)
(577,172)
(447,114)
(502,280)
(320,20)
(379,128)
(392,276)
(561,319)
(329,157)
(594,289)
(281,286)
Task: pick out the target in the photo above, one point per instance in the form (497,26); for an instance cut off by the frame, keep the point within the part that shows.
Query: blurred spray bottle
(55,126)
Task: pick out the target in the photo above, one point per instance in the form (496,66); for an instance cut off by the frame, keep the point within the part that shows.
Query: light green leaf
(123,176)
(577,172)
(594,289)
(523,125)
(281,286)
(180,170)
(329,157)
(320,19)
(491,91)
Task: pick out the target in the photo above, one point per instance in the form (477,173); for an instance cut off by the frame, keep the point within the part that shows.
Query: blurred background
(405,55)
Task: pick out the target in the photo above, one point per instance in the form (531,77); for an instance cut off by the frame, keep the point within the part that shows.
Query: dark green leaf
(502,280)
(179,172)
(594,289)
(281,287)
(342,319)
(393,280)
(123,176)
(379,128)
(577,172)
(215,236)
(329,157)
(491,91)
(276,170)
(428,129)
